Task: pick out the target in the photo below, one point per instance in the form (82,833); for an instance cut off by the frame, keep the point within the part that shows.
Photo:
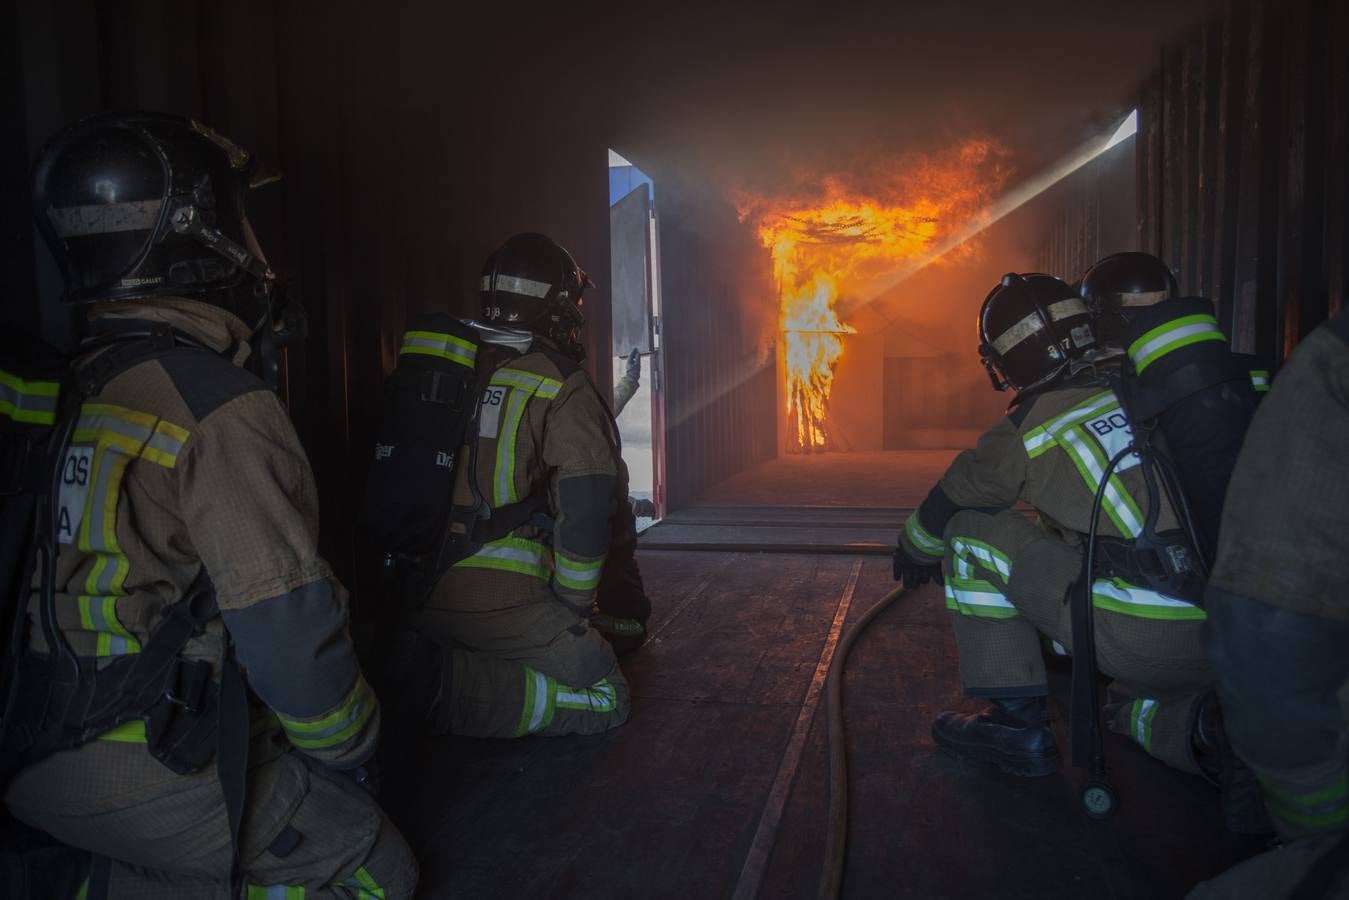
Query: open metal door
(635,304)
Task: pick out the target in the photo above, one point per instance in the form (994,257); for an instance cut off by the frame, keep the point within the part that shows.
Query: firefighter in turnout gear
(1007,580)
(1278,624)
(185,542)
(515,613)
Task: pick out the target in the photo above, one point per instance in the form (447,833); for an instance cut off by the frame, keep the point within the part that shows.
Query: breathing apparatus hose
(836,840)
(1086,655)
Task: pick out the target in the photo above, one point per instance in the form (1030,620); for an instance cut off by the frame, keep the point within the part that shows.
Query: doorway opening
(636,347)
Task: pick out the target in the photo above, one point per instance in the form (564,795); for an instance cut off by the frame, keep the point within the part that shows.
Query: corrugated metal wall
(1242,163)
(1094,214)
(1242,171)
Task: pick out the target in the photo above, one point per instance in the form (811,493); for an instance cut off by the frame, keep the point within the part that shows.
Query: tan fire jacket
(1285,538)
(544,428)
(187,461)
(1049,452)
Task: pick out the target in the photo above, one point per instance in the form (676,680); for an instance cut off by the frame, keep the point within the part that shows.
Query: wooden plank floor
(669,804)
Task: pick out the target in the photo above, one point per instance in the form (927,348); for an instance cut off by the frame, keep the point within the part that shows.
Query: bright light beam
(1004,206)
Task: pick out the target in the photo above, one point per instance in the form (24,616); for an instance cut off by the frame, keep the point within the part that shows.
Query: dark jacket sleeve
(579,451)
(988,477)
(251,509)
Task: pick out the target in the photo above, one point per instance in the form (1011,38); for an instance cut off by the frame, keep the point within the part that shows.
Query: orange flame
(838,234)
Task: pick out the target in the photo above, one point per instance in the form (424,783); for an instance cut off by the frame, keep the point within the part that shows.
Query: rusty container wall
(1242,158)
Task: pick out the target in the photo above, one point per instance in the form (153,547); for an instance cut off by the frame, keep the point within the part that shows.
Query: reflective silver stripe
(505,472)
(1066,308)
(455,350)
(1140,298)
(984,599)
(1036,441)
(165,444)
(104,218)
(1092,468)
(995,561)
(515,285)
(1136,596)
(28,401)
(541,692)
(1085,410)
(1141,724)
(1018,333)
(528,557)
(1170,337)
(581,573)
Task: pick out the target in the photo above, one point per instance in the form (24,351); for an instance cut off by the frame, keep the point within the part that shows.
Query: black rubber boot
(1243,801)
(1012,734)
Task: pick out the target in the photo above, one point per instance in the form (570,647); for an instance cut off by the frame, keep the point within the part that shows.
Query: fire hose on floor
(836,842)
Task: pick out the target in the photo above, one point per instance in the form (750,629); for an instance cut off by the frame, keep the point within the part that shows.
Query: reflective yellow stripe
(922,539)
(524,386)
(439,345)
(132,732)
(1141,714)
(575,574)
(971,596)
(368,886)
(29,402)
(1121,597)
(1173,335)
(519,555)
(119,436)
(336,727)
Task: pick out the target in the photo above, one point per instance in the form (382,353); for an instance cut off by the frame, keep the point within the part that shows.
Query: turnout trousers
(519,661)
(1007,583)
(307,832)
(1283,677)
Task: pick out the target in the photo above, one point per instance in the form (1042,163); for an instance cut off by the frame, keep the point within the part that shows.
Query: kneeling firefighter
(182,698)
(1008,580)
(534,478)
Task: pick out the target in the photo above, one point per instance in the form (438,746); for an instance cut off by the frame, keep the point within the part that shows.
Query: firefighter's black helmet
(532,283)
(1030,327)
(137,205)
(1122,284)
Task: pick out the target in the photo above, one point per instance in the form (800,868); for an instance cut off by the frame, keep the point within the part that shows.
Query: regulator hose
(836,840)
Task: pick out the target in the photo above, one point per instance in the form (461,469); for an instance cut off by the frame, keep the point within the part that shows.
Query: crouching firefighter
(504,644)
(182,698)
(1008,580)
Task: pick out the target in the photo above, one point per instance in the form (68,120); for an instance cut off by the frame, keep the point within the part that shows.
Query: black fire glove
(634,369)
(912,573)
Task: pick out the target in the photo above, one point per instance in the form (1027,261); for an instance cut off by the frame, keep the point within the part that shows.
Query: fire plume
(835,235)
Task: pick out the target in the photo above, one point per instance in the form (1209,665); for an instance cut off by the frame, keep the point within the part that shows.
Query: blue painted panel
(623,180)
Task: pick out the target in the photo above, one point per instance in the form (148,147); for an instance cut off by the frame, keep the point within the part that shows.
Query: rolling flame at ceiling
(839,235)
